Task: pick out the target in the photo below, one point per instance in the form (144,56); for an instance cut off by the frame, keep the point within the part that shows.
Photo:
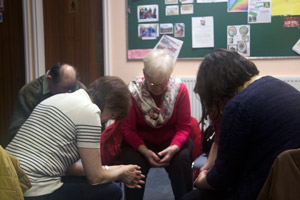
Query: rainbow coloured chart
(237,6)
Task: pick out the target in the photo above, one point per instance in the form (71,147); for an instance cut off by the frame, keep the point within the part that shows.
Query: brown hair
(110,92)
(219,77)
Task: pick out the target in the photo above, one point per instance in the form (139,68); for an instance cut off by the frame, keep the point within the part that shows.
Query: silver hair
(158,65)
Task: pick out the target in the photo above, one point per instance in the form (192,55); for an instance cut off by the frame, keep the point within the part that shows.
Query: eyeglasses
(161,85)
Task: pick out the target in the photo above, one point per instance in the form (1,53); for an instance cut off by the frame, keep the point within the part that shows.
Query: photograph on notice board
(291,22)
(171,1)
(166,28)
(172,10)
(148,31)
(179,30)
(187,9)
(147,13)
(238,39)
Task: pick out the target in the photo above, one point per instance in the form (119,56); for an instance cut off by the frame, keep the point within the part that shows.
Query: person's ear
(145,74)
(49,77)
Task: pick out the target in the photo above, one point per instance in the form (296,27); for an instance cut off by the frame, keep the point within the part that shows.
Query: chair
(283,181)
(13,180)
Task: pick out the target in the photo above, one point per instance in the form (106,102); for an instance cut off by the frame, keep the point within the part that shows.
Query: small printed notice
(171,45)
(187,9)
(238,39)
(210,1)
(171,1)
(202,32)
(172,10)
(204,1)
(296,47)
(186,1)
(259,11)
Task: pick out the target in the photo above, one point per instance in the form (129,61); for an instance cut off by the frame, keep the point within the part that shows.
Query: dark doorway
(74,35)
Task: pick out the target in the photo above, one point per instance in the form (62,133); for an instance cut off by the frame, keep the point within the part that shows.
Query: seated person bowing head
(260,118)
(65,128)
(157,127)
(61,78)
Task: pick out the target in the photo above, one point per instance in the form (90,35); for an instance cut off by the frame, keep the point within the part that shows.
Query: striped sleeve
(88,136)
(89,127)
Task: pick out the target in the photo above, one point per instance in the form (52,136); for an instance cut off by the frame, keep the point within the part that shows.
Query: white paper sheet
(259,11)
(296,47)
(171,45)
(202,32)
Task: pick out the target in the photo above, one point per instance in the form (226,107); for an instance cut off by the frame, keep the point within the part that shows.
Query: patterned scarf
(155,116)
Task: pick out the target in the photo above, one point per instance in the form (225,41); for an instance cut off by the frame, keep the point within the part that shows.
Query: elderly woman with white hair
(157,127)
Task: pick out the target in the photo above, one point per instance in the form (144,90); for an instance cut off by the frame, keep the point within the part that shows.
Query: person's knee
(116,192)
(183,157)
(107,191)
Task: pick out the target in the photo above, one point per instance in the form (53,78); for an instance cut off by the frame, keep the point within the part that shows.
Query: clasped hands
(162,158)
(133,176)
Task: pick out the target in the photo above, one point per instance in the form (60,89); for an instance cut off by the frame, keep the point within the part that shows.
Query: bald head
(62,78)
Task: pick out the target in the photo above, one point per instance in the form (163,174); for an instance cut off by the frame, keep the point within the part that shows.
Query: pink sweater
(178,127)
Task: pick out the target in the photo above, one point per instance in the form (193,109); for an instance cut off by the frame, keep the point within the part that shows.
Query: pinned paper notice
(296,47)
(171,45)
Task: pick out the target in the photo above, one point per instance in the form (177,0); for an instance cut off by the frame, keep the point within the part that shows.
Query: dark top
(258,124)
(28,97)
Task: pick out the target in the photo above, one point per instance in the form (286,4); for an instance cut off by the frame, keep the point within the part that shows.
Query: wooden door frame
(34,38)
(106,38)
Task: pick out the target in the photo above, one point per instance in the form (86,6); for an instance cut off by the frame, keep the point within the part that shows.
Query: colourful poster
(285,7)
(237,6)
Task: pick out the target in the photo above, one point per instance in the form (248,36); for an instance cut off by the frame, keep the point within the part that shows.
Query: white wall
(128,70)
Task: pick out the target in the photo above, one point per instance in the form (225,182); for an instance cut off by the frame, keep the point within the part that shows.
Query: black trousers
(201,194)
(179,170)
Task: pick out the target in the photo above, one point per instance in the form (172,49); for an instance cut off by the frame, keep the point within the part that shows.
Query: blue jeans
(200,161)
(77,188)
